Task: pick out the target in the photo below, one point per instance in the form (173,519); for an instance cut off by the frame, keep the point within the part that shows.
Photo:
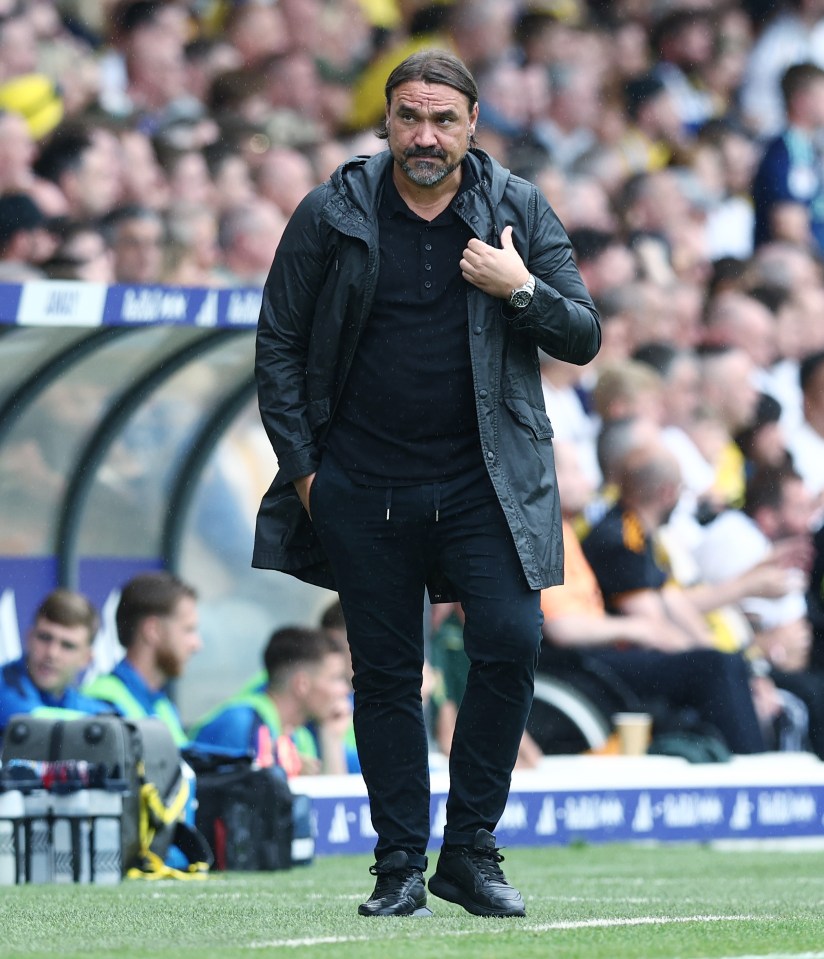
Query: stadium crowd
(681,144)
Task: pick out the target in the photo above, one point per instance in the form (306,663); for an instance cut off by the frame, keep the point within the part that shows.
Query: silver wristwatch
(521,296)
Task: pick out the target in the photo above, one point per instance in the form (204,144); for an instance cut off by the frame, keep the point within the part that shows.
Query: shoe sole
(444,889)
(420,913)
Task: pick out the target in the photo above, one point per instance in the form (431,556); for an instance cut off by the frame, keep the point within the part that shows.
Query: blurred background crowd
(680,143)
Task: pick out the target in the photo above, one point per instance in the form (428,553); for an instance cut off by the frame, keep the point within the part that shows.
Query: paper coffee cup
(634,732)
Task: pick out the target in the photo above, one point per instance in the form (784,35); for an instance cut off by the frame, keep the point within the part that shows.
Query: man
(806,442)
(24,240)
(307,680)
(157,624)
(729,405)
(398,382)
(775,525)
(775,522)
(84,164)
(660,660)
(136,236)
(57,649)
(788,190)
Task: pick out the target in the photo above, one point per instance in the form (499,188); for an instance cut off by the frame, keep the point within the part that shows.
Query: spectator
(24,242)
(85,165)
(788,189)
(628,389)
(680,398)
(17,153)
(82,254)
(307,680)
(734,319)
(561,385)
(732,157)
(763,443)
(628,600)
(566,130)
(655,133)
(256,31)
(135,235)
(682,40)
(604,261)
(774,526)
(144,181)
(284,177)
(187,174)
(232,184)
(138,28)
(248,234)
(18,45)
(192,252)
(806,443)
(157,625)
(775,522)
(57,650)
(729,403)
(794,34)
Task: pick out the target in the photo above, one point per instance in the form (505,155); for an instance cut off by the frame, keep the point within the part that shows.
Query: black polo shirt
(407,412)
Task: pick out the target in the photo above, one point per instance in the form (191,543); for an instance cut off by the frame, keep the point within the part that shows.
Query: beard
(169,663)
(432,173)
(427,174)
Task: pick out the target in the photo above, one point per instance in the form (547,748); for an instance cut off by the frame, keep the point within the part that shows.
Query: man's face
(56,655)
(138,251)
(429,126)
(328,685)
(795,514)
(179,638)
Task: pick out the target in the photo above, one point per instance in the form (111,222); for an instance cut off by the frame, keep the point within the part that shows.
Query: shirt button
(490,455)
(427,246)
(477,331)
(428,285)
(483,394)
(427,266)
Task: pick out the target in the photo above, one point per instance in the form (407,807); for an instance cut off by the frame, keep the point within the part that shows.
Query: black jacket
(316,301)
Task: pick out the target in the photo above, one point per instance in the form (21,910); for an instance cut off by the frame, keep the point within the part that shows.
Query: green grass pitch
(583,902)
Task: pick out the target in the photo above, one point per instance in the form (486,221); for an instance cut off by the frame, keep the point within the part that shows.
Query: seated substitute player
(157,624)
(57,649)
(307,680)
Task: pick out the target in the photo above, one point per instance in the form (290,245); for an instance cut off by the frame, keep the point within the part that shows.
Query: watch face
(520,299)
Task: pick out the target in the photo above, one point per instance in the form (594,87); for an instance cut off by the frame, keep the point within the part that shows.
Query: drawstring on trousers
(436,501)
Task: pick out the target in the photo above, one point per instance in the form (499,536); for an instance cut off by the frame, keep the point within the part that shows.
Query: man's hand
(497,272)
(303,485)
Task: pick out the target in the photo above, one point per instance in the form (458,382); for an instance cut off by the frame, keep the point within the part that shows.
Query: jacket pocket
(535,420)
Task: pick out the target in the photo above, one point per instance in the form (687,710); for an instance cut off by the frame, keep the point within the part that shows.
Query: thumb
(506,238)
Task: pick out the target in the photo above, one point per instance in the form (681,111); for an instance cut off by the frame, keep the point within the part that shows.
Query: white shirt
(785,41)
(732,544)
(571,422)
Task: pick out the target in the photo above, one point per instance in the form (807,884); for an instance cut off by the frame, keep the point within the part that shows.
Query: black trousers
(714,684)
(383,545)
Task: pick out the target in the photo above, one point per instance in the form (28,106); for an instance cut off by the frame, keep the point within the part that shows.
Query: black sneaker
(471,877)
(399,891)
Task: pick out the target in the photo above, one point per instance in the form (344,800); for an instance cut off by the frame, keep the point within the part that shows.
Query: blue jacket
(18,694)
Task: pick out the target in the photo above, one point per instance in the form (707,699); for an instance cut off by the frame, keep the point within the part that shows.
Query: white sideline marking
(781,955)
(541,927)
